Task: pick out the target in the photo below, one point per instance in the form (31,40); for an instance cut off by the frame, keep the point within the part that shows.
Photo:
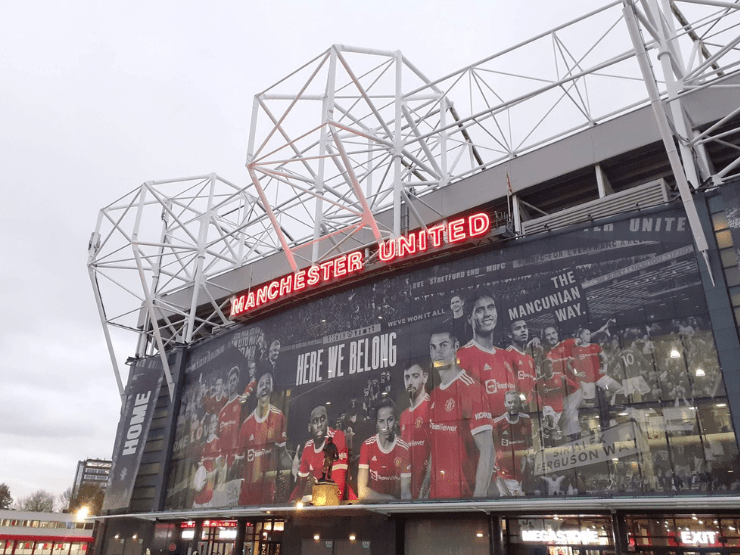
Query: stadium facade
(521,338)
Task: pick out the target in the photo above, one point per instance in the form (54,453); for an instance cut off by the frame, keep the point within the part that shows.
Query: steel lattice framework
(348,145)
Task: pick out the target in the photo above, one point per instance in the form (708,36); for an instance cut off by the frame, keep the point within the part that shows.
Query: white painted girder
(337,146)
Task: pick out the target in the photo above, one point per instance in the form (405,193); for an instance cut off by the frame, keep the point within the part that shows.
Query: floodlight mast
(350,144)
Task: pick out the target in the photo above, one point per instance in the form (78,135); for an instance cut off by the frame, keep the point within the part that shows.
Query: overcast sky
(98,97)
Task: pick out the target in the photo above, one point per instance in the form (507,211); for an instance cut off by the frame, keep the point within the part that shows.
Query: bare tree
(64,500)
(39,501)
(5,499)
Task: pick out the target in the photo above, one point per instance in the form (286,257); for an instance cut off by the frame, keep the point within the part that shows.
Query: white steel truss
(343,151)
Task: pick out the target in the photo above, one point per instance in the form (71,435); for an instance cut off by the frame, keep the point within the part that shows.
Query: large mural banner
(578,363)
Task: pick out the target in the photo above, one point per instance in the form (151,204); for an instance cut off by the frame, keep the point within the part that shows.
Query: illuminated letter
(299,280)
(327,266)
(354,261)
(436,234)
(478,224)
(313,275)
(262,295)
(237,306)
(340,266)
(272,290)
(387,250)
(250,301)
(286,285)
(421,240)
(406,245)
(456,231)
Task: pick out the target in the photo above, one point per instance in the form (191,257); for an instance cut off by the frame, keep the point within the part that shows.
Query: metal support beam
(666,134)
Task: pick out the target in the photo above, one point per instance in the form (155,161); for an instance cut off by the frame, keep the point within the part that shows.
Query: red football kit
(492,369)
(211,451)
(251,386)
(457,412)
(551,392)
(510,439)
(312,461)
(586,360)
(228,427)
(386,468)
(414,423)
(523,366)
(214,405)
(560,355)
(257,441)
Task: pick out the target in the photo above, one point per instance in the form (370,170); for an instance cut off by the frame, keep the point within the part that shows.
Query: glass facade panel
(732,276)
(729,258)
(448,537)
(719,221)
(589,363)
(724,239)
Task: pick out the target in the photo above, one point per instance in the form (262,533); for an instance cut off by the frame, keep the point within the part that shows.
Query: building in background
(91,479)
(510,296)
(31,533)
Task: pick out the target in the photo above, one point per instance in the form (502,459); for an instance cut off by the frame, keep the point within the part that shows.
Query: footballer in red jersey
(210,464)
(415,424)
(487,364)
(589,364)
(252,385)
(522,362)
(512,439)
(559,352)
(553,387)
(217,398)
(459,428)
(312,459)
(384,472)
(262,441)
(228,423)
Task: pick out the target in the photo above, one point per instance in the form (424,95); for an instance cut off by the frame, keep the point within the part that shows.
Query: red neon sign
(302,279)
(451,232)
(418,242)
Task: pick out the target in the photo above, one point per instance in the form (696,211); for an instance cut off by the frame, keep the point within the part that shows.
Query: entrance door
(217,547)
(269,548)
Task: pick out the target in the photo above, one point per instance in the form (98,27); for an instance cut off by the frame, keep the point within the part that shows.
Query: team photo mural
(579,363)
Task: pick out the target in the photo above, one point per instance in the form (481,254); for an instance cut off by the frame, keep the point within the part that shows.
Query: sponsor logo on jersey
(252,454)
(443,427)
(492,386)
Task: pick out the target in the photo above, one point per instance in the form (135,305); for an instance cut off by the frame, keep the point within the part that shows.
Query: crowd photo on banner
(575,364)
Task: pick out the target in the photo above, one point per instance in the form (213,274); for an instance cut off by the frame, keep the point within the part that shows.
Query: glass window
(719,221)
(729,257)
(732,276)
(716,203)
(724,239)
(80,548)
(452,537)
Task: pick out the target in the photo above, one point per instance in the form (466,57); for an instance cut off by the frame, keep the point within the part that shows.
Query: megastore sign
(579,364)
